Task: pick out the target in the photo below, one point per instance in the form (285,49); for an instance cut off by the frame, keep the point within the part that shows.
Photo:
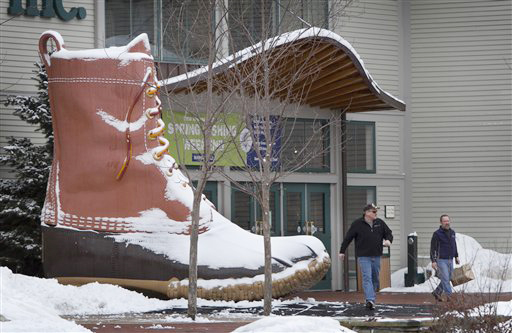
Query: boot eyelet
(151,91)
(158,156)
(168,172)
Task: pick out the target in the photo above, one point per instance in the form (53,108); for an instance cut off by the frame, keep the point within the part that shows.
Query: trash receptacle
(385,271)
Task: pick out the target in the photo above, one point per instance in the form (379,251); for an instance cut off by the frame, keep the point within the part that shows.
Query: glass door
(246,212)
(242,209)
(210,191)
(318,222)
(275,211)
(306,209)
(294,209)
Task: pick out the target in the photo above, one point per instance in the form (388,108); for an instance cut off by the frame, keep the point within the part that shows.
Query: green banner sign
(186,139)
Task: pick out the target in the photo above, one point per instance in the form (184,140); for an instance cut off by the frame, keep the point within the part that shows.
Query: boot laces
(157,132)
(154,134)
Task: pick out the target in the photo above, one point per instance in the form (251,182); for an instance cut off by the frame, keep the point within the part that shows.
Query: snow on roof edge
(273,42)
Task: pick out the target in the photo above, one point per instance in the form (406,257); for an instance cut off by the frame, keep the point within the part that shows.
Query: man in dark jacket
(443,248)
(370,233)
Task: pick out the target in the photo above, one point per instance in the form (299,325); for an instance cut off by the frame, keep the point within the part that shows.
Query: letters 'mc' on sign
(49,9)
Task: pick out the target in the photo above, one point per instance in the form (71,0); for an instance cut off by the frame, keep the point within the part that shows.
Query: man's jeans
(445,270)
(370,268)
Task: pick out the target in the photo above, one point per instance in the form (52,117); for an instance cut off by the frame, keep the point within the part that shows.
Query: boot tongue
(139,44)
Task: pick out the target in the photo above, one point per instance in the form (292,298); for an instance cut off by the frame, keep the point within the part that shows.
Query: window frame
(326,132)
(373,169)
(157,28)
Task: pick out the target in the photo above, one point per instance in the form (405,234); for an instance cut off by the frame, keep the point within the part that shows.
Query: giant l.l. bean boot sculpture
(118,209)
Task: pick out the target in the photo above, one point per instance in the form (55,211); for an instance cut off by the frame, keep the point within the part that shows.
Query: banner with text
(186,139)
(234,142)
(259,125)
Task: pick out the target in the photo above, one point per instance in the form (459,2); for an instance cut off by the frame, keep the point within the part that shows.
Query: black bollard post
(412,277)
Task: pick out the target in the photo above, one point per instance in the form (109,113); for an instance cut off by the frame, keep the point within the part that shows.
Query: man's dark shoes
(437,296)
(370,305)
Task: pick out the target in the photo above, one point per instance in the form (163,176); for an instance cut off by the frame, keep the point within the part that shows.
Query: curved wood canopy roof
(310,66)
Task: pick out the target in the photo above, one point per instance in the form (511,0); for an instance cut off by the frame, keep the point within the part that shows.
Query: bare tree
(270,106)
(246,83)
(184,27)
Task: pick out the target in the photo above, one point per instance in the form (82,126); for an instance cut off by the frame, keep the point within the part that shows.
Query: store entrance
(296,209)
(306,211)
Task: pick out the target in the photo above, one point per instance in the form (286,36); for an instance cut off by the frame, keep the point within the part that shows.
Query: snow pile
(93,298)
(36,304)
(493,271)
(498,308)
(489,309)
(294,324)
(24,314)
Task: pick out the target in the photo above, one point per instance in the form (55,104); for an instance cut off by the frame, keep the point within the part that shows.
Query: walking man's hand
(457,261)
(341,256)
(434,265)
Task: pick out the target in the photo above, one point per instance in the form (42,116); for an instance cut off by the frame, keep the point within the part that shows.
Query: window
(360,147)
(178,29)
(185,30)
(279,16)
(245,22)
(303,146)
(306,141)
(314,12)
(124,20)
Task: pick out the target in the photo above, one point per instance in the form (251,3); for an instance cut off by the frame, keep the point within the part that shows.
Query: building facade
(450,152)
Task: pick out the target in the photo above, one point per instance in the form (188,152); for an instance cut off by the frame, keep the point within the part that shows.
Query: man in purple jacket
(443,248)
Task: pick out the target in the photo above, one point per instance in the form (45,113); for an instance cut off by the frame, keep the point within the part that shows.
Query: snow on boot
(118,209)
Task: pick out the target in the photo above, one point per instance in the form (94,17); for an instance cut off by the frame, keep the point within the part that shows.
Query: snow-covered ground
(33,304)
(36,305)
(493,271)
(295,324)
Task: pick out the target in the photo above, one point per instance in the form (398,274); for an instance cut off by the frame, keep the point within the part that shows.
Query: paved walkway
(347,304)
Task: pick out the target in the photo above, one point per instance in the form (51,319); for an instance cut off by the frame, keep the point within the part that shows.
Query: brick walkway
(420,300)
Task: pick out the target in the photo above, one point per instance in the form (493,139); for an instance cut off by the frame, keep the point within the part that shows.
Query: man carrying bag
(443,248)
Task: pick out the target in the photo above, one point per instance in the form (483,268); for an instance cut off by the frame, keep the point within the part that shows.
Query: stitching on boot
(104,224)
(92,80)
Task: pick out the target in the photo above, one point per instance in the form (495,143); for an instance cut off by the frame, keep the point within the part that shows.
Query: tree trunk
(192,271)
(267,292)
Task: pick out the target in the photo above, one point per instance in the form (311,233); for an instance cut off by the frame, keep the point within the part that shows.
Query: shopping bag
(462,275)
